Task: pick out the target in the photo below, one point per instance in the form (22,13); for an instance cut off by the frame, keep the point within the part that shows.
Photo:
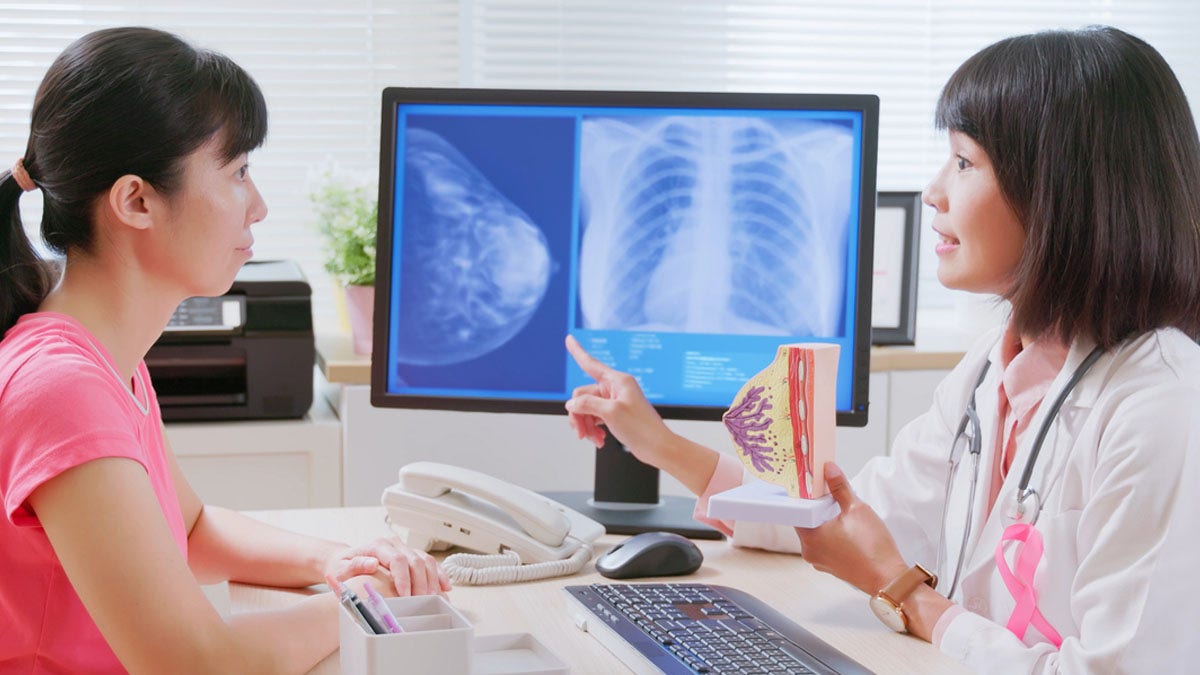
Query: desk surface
(832,610)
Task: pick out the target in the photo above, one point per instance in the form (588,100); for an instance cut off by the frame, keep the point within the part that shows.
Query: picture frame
(894,295)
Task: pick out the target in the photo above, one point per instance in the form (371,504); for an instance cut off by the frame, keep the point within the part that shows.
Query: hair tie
(22,176)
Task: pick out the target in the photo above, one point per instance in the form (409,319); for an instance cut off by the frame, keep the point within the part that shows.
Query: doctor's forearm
(923,609)
(689,462)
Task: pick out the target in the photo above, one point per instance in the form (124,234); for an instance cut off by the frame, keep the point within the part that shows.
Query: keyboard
(699,628)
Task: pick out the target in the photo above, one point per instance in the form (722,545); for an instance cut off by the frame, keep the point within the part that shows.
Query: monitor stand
(626,499)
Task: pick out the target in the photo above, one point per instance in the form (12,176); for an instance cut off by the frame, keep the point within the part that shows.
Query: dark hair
(116,102)
(1095,149)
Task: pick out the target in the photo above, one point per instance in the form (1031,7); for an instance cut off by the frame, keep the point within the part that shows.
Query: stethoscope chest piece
(1026,507)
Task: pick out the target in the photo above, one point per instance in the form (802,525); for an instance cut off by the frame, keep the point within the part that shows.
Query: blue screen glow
(680,245)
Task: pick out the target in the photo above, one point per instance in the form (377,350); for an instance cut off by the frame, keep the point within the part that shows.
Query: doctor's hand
(616,402)
(856,546)
(411,572)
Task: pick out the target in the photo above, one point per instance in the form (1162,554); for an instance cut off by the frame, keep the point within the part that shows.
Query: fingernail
(832,470)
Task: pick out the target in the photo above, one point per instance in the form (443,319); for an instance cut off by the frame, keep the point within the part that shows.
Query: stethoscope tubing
(1023,486)
(969,415)
(1023,491)
(962,547)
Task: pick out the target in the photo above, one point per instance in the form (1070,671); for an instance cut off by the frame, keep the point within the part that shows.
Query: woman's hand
(615,401)
(856,546)
(410,571)
(381,581)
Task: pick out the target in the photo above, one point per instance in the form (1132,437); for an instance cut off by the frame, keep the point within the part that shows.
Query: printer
(247,354)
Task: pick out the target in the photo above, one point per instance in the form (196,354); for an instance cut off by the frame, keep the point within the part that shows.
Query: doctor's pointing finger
(617,402)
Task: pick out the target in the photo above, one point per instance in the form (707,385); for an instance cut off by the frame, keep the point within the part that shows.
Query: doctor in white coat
(1039,517)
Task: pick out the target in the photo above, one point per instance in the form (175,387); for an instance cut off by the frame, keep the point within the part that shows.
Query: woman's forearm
(227,545)
(302,634)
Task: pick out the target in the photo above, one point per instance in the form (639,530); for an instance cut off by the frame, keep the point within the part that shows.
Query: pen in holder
(436,638)
(378,604)
(365,617)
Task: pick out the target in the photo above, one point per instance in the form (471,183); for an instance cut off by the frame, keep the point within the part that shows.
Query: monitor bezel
(393,97)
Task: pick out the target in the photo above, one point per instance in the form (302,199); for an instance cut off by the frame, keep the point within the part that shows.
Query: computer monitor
(681,237)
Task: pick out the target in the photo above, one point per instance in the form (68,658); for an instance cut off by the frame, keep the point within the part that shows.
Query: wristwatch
(888,604)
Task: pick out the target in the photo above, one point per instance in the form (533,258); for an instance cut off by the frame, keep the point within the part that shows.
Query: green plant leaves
(346,218)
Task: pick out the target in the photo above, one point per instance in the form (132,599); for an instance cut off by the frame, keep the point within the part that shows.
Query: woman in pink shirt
(1072,188)
(138,146)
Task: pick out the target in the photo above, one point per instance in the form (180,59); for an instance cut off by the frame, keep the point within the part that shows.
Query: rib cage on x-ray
(714,225)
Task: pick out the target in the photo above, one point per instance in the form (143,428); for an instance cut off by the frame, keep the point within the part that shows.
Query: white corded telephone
(442,506)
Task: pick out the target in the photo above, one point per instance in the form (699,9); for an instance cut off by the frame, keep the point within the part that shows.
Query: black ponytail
(116,102)
(25,279)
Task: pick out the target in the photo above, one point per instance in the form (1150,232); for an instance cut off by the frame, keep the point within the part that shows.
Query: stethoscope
(969,430)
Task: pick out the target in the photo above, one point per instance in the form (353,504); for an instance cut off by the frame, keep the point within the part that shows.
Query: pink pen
(382,610)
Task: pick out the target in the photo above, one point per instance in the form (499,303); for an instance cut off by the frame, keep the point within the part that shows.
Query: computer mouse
(650,554)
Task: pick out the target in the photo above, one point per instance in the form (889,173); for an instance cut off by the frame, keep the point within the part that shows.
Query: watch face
(888,613)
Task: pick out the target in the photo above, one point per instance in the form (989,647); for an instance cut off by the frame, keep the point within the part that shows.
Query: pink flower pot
(360,306)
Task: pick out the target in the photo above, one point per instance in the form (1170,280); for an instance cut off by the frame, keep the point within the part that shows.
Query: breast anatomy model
(783,423)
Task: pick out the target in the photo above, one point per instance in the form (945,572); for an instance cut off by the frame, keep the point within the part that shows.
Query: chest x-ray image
(474,268)
(714,224)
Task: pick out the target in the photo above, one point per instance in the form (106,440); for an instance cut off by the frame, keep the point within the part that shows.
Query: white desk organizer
(438,640)
(756,501)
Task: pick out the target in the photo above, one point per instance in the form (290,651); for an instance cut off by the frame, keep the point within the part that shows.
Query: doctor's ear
(133,201)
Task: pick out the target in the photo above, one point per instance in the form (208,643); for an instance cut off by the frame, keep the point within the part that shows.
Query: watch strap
(903,586)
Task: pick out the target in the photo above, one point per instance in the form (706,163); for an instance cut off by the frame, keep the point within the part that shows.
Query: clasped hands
(393,569)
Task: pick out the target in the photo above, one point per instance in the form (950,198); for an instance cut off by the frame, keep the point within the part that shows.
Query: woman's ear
(134,202)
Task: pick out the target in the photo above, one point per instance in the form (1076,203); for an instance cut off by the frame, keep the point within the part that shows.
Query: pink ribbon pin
(1020,584)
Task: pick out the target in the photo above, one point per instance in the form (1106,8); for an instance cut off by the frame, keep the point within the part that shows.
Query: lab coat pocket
(1055,575)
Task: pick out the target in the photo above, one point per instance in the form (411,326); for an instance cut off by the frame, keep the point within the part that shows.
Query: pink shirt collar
(1028,370)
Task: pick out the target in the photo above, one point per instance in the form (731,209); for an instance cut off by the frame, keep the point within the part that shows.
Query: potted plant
(346,217)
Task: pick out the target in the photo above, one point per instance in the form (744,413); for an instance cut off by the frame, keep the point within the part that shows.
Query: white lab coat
(1119,473)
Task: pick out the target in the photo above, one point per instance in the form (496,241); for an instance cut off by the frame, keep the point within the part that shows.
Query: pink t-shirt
(63,404)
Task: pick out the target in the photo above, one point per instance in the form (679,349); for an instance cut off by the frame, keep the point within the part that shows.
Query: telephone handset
(442,506)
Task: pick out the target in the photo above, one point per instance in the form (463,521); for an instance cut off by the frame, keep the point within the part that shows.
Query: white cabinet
(263,464)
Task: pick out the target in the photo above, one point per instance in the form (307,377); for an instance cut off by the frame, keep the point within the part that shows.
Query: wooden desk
(832,610)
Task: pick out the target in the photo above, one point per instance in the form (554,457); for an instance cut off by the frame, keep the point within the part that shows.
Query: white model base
(759,502)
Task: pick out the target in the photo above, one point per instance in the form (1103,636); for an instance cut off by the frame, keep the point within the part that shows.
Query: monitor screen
(679,237)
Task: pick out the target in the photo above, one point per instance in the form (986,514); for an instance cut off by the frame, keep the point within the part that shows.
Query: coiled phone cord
(475,569)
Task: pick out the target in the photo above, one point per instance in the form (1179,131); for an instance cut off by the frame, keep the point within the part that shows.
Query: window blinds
(322,66)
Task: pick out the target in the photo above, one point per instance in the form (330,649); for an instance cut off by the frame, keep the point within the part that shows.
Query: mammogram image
(474,267)
(714,224)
